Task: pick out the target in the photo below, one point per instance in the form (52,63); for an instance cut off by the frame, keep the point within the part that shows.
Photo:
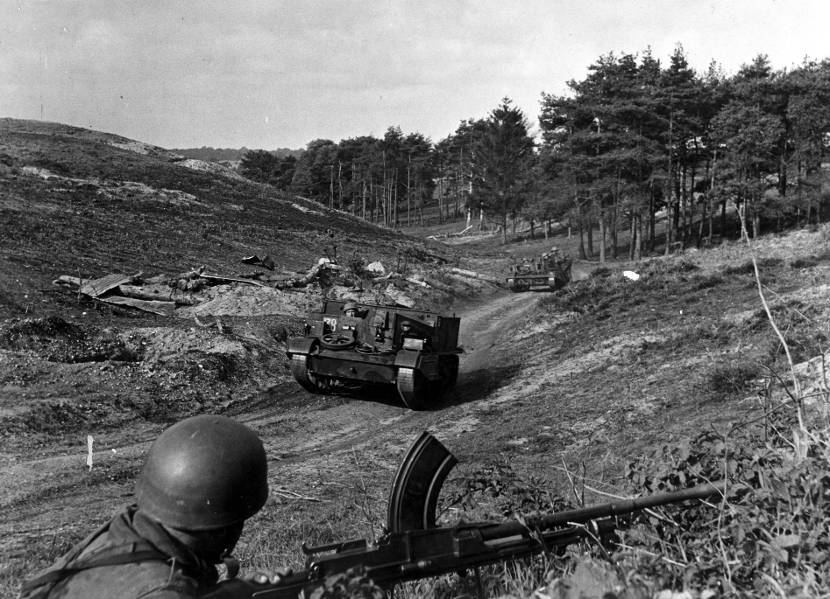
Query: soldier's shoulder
(145,580)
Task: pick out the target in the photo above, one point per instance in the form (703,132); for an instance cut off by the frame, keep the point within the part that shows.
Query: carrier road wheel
(416,391)
(309,382)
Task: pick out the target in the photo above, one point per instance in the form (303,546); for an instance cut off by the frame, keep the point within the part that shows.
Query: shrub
(734,378)
(770,534)
(745,268)
(808,262)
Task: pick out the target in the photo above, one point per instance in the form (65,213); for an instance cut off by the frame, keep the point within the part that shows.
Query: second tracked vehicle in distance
(550,271)
(351,344)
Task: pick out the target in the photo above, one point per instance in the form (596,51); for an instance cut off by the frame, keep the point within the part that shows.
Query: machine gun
(414,548)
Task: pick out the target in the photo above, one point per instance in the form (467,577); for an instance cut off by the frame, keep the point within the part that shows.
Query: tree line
(659,151)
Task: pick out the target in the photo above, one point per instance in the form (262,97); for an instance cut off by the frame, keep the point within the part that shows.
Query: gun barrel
(617,508)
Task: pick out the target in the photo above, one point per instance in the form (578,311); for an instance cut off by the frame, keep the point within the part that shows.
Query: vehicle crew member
(201,479)
(350,309)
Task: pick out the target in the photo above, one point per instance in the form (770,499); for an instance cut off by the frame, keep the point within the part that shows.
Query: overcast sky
(268,74)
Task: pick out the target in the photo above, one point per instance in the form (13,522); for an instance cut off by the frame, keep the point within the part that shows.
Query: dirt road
(316,445)
(326,439)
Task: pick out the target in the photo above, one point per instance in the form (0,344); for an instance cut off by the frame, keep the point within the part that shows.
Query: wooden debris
(423,284)
(156,307)
(103,289)
(98,287)
(68,281)
(232,279)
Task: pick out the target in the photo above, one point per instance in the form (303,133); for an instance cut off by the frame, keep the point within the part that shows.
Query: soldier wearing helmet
(351,309)
(202,478)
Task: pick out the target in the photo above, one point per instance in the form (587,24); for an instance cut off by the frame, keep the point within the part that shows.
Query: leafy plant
(769,534)
(729,380)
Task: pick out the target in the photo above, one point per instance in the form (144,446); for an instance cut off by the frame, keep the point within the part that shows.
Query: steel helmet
(202,473)
(349,306)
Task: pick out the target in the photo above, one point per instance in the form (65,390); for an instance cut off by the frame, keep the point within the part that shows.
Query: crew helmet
(351,309)
(203,473)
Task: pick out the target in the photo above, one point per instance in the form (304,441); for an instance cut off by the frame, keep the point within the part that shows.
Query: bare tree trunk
(394,195)
(387,201)
(782,171)
(602,235)
(638,231)
(669,185)
(710,196)
(440,199)
(690,194)
(504,218)
(756,220)
(372,202)
(352,190)
(684,206)
(590,236)
(460,176)
(582,253)
(710,224)
(385,217)
(363,194)
(614,209)
(741,213)
(652,218)
(331,186)
(504,228)
(408,193)
(339,185)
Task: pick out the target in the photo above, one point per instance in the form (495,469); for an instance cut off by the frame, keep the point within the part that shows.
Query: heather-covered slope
(86,203)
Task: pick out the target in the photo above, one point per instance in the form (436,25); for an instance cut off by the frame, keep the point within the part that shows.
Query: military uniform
(130,557)
(201,479)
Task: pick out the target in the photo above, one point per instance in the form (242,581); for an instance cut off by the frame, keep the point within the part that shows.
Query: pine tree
(502,159)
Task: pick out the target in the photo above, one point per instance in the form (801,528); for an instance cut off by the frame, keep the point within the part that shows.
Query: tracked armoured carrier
(351,344)
(549,272)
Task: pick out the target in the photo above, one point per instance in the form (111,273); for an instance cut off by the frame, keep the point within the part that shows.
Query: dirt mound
(60,341)
(246,300)
(163,344)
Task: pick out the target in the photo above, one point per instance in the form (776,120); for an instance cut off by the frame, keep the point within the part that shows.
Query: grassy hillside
(79,202)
